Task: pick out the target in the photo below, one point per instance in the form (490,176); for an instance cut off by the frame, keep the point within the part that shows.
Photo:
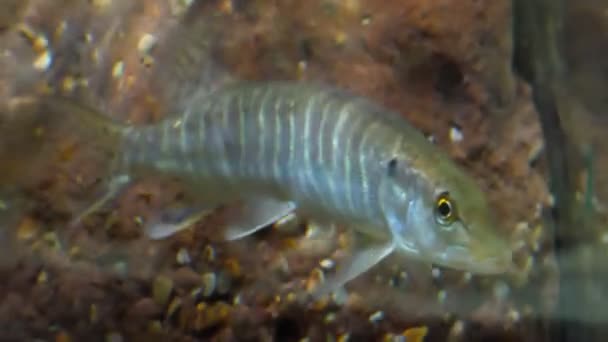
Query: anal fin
(362,258)
(254,214)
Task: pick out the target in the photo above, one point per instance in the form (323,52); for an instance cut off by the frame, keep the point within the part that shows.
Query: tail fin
(40,133)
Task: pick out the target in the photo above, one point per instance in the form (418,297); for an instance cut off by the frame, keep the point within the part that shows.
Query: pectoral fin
(113,188)
(254,214)
(360,261)
(173,220)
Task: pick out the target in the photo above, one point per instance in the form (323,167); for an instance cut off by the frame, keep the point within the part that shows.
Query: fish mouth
(462,258)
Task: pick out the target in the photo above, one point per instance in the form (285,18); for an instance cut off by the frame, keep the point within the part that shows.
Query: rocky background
(444,64)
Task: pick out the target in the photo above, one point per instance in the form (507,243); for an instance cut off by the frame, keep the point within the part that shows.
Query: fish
(285,147)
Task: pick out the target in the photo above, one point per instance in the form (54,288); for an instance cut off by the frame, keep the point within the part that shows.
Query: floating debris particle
(42,277)
(376,317)
(27,229)
(162,289)
(327,264)
(43,61)
(416,334)
(114,337)
(209,284)
(146,43)
(118,69)
(456,133)
(183,257)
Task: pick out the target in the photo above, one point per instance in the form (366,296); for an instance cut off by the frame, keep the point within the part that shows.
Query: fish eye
(445,211)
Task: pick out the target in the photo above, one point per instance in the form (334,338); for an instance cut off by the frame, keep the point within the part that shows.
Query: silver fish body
(319,147)
(279,147)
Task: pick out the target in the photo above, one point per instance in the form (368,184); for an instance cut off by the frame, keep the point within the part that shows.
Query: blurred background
(513,90)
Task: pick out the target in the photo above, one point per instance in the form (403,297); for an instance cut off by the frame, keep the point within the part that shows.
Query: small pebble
(175,304)
(456,134)
(457,329)
(27,229)
(441,296)
(183,257)
(52,240)
(179,7)
(514,316)
(155,326)
(62,336)
(343,337)
(43,61)
(436,273)
(209,253)
(209,284)
(376,316)
(329,318)
(161,290)
(416,334)
(146,43)
(366,20)
(223,283)
(604,238)
(327,264)
(42,278)
(501,290)
(118,69)
(93,313)
(114,337)
(144,308)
